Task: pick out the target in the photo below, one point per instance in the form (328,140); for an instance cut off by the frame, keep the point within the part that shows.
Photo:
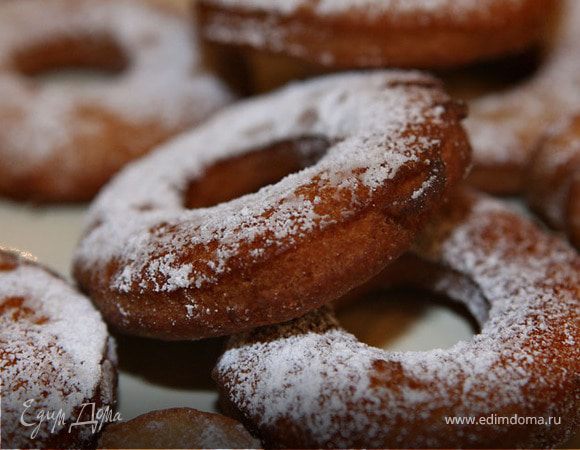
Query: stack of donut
(262,219)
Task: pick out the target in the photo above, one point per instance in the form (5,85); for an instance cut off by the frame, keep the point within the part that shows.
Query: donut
(60,142)
(173,251)
(331,34)
(178,428)
(506,127)
(310,384)
(55,357)
(554,178)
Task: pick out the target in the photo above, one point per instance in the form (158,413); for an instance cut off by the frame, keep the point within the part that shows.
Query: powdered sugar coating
(504,127)
(165,84)
(53,344)
(428,10)
(139,219)
(316,385)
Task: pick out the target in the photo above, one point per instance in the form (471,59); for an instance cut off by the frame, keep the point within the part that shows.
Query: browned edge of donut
(355,40)
(502,180)
(553,189)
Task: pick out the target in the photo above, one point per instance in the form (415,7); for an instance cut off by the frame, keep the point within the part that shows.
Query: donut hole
(248,173)
(89,59)
(407,320)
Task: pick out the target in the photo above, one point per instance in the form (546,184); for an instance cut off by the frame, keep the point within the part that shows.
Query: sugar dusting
(165,84)
(336,391)
(52,343)
(139,219)
(458,10)
(505,127)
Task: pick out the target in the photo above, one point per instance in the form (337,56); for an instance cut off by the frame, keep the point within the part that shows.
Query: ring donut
(63,141)
(178,428)
(505,128)
(55,355)
(373,155)
(310,384)
(352,34)
(554,180)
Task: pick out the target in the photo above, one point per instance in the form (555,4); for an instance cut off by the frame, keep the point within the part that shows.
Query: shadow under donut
(184,365)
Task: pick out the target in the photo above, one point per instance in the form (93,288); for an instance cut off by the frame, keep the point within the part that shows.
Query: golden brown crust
(178,428)
(554,179)
(374,35)
(287,266)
